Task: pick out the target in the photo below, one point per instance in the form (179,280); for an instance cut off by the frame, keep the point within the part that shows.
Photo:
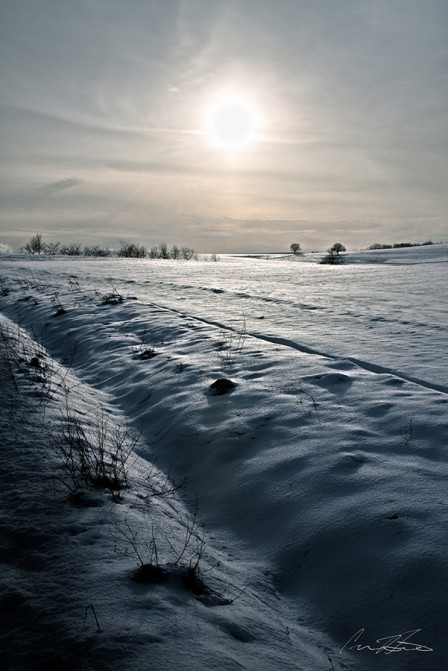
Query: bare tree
(163,249)
(175,252)
(51,248)
(187,253)
(35,245)
(337,247)
(333,254)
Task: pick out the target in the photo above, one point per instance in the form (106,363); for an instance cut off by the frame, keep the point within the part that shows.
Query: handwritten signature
(388,644)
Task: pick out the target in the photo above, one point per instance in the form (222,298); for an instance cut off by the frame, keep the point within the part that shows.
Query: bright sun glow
(232,124)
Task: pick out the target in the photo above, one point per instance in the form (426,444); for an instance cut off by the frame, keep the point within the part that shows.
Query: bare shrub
(24,355)
(149,553)
(4,289)
(146,553)
(94,455)
(51,248)
(144,352)
(191,550)
(146,349)
(96,250)
(162,486)
(113,298)
(231,344)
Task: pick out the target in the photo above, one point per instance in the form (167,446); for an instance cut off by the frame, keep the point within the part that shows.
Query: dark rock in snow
(222,386)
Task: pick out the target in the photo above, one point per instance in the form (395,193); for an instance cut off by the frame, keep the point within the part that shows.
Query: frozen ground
(320,478)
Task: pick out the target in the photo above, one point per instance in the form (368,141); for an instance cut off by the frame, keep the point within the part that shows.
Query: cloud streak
(61,185)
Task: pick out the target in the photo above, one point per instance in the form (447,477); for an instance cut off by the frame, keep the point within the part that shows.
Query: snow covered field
(319,479)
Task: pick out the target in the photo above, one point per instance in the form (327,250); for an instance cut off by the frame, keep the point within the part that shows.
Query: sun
(232,124)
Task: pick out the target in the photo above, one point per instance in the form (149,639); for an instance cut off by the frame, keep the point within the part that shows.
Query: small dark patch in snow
(25,299)
(112,299)
(147,354)
(194,583)
(221,386)
(85,500)
(393,517)
(393,380)
(60,311)
(177,577)
(218,291)
(148,573)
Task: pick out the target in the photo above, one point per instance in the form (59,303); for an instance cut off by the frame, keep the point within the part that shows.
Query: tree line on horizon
(37,246)
(399,245)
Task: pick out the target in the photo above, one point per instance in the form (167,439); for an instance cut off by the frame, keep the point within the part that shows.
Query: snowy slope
(320,478)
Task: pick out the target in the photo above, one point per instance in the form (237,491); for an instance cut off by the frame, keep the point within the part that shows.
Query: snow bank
(320,478)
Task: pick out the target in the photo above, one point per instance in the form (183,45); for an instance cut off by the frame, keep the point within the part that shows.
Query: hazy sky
(105,122)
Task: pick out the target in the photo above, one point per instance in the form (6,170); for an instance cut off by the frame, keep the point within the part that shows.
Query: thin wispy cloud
(61,185)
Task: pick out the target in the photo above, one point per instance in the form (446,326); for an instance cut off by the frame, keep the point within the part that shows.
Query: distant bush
(162,252)
(96,250)
(175,252)
(52,248)
(131,250)
(72,249)
(332,259)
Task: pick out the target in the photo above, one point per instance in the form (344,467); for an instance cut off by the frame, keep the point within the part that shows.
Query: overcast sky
(105,122)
